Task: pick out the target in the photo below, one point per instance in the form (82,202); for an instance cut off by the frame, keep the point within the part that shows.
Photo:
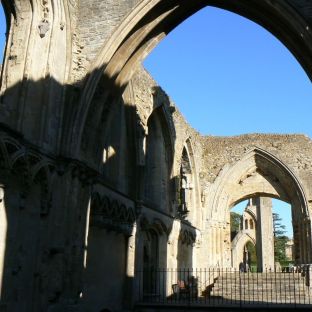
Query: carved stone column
(130,290)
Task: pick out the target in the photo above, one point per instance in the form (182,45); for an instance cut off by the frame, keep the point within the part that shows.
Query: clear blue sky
(230,76)
(2,32)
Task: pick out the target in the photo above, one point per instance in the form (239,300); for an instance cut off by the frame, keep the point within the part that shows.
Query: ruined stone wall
(145,88)
(148,96)
(295,150)
(97,21)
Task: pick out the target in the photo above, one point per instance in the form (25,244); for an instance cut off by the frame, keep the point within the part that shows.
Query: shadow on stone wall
(47,191)
(44,207)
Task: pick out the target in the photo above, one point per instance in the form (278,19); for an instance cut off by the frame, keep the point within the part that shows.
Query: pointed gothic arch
(189,193)
(151,20)
(159,160)
(238,245)
(260,173)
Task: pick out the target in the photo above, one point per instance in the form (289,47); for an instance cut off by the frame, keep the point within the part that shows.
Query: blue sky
(230,76)
(2,31)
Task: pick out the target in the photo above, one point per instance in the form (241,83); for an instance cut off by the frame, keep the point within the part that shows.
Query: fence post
(240,288)
(309,275)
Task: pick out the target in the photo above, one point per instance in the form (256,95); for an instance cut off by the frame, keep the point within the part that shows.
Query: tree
(279,229)
(280,239)
(235,223)
(252,254)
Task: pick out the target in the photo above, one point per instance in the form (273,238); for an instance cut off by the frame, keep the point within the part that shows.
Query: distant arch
(251,224)
(237,246)
(246,224)
(261,174)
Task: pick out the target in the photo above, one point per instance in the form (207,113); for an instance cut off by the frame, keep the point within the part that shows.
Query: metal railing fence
(291,287)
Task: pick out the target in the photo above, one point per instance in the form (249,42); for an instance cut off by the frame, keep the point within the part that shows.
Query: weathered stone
(101,175)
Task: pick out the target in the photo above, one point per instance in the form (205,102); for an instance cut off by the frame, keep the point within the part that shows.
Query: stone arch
(9,8)
(150,261)
(159,160)
(250,219)
(113,148)
(42,175)
(251,224)
(152,251)
(148,223)
(110,223)
(4,155)
(238,245)
(10,149)
(252,216)
(151,20)
(260,173)
(188,167)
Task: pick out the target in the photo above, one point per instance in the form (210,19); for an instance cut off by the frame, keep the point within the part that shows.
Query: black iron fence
(291,287)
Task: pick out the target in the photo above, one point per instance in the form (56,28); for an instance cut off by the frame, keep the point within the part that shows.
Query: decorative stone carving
(111,214)
(187,237)
(44,27)
(156,224)
(141,133)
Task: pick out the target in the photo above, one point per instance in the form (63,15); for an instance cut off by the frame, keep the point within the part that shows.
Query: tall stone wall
(97,21)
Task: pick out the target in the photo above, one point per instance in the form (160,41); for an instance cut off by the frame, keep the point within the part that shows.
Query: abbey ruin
(100,174)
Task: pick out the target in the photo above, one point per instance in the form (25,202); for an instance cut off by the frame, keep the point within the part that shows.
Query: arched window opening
(251,224)
(103,243)
(271,223)
(112,148)
(250,257)
(150,262)
(186,185)
(158,163)
(246,224)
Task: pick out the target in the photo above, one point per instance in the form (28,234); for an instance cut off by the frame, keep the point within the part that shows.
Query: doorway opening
(262,235)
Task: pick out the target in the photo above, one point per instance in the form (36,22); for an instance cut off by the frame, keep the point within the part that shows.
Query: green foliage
(280,240)
(278,227)
(252,254)
(235,224)
(279,249)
